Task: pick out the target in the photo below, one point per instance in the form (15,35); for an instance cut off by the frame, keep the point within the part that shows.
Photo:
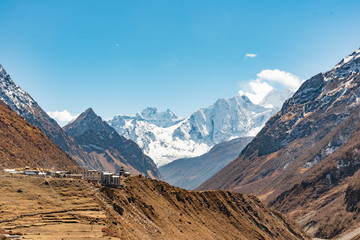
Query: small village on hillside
(106,179)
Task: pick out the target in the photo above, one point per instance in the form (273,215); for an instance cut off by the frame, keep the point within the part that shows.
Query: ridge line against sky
(120,57)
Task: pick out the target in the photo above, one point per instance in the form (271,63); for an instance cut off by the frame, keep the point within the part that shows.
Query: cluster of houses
(104,178)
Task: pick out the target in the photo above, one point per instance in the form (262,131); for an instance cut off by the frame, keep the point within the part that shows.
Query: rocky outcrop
(352,198)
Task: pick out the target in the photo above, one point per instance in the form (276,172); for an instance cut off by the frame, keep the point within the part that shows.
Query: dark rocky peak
(88,115)
(87,121)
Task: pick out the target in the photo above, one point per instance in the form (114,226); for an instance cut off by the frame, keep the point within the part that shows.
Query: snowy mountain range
(165,137)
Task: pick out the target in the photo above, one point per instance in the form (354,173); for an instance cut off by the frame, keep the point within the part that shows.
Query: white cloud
(250,55)
(256,90)
(285,78)
(259,90)
(62,117)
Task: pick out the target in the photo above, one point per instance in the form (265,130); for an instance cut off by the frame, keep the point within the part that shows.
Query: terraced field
(50,208)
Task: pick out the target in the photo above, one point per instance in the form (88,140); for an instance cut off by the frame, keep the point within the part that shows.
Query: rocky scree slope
(23,104)
(189,173)
(298,147)
(23,144)
(165,137)
(107,147)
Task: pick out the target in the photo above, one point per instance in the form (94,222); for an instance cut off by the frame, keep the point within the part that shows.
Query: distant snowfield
(165,137)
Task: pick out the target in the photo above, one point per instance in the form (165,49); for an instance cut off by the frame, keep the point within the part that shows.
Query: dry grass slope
(144,209)
(23,144)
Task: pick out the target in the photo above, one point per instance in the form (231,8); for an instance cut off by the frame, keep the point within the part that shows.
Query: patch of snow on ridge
(10,92)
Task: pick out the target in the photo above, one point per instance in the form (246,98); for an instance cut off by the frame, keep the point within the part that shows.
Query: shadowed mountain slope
(107,147)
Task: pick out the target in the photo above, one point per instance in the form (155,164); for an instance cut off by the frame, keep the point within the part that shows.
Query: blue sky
(122,56)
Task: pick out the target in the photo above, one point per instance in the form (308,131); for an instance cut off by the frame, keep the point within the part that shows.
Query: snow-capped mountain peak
(165,137)
(161,119)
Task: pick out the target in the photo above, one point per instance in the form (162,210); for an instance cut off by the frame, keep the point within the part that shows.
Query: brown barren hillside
(158,210)
(23,144)
(144,209)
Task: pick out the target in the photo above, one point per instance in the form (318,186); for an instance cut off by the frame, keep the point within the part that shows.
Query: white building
(110,179)
(92,175)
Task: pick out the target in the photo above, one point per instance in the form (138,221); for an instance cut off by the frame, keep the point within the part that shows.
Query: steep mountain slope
(326,202)
(144,209)
(183,138)
(23,144)
(189,173)
(23,104)
(107,147)
(298,148)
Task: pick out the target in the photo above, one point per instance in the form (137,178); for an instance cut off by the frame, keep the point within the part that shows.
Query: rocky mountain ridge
(110,150)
